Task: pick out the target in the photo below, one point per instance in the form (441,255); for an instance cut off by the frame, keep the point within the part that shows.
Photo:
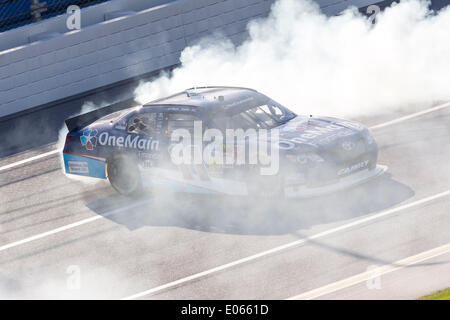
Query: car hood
(318,131)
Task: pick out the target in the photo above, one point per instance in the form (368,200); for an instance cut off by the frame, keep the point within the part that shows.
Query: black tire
(124,175)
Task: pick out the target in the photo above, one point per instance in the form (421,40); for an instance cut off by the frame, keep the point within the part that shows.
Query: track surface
(129,246)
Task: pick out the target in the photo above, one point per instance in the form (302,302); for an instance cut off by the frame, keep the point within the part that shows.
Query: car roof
(211,99)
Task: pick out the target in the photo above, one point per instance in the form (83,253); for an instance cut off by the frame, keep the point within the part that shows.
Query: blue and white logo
(89,139)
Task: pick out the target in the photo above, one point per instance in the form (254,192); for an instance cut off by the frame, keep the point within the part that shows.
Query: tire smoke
(341,66)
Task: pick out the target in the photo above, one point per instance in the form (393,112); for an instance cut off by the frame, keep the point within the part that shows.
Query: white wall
(91,15)
(106,52)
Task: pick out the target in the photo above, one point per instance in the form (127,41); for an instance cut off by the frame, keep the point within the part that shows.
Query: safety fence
(16,13)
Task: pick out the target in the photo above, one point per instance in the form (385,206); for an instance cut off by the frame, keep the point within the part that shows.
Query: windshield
(265,116)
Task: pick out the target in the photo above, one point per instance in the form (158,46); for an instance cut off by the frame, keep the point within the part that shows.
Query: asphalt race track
(63,238)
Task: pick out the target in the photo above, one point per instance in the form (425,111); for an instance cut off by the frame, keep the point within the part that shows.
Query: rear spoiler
(85,119)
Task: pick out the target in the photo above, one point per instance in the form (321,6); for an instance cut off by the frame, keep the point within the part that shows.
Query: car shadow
(250,216)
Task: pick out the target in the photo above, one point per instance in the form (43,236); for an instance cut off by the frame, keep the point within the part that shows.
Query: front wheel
(124,175)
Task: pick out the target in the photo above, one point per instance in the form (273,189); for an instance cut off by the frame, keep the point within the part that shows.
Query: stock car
(133,146)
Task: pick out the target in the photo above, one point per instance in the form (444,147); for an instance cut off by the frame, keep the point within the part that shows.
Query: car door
(144,130)
(199,175)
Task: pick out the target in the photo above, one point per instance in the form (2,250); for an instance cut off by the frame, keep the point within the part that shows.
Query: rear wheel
(124,175)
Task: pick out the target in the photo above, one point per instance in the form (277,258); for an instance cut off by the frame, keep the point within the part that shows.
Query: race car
(239,132)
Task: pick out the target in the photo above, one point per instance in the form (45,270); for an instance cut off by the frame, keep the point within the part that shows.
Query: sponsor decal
(307,135)
(333,131)
(80,167)
(353,168)
(130,141)
(148,156)
(296,125)
(305,158)
(286,145)
(315,132)
(333,137)
(148,160)
(353,125)
(238,102)
(348,145)
(89,139)
(187,109)
(121,125)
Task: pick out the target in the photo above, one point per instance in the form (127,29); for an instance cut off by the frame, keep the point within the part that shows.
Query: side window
(237,121)
(276,111)
(243,121)
(143,124)
(180,121)
(262,116)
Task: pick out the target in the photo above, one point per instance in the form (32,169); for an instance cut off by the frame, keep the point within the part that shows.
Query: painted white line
(287,246)
(365,276)
(18,163)
(69,226)
(413,115)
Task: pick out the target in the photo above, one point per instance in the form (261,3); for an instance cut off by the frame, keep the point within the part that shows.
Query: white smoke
(314,64)
(86,107)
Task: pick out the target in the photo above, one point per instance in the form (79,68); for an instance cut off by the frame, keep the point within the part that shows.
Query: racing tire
(124,175)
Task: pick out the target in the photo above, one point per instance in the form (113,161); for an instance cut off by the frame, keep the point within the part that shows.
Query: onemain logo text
(130,141)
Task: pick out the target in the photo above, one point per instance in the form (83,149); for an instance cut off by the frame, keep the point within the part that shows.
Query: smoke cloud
(340,66)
